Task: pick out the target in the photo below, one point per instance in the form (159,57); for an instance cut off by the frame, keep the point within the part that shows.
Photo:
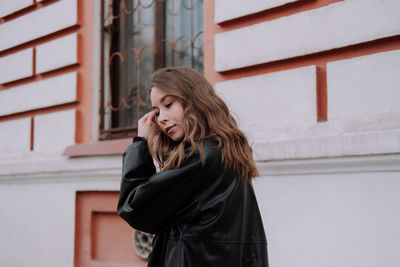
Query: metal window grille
(138,37)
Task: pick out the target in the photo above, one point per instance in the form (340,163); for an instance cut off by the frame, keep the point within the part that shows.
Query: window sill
(100,148)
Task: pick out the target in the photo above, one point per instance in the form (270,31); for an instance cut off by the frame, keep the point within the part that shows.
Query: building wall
(44,70)
(315,86)
(46,104)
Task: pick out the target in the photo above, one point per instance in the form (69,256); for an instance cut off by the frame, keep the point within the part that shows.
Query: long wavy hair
(205,116)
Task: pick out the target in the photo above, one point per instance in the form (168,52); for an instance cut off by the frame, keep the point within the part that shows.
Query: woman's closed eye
(168,105)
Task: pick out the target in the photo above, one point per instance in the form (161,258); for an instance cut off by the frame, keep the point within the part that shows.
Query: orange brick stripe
(32,132)
(322,97)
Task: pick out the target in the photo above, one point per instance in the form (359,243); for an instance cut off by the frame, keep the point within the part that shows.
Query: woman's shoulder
(209,147)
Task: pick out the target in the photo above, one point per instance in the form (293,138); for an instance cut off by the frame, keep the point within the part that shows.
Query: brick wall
(45,79)
(309,78)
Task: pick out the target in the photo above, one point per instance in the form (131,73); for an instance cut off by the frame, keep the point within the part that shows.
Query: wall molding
(62,170)
(108,168)
(355,164)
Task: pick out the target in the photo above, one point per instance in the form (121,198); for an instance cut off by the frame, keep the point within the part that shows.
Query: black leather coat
(205,216)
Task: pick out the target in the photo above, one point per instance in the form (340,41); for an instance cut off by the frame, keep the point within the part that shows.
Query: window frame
(116,131)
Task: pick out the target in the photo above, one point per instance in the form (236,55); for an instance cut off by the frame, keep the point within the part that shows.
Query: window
(138,37)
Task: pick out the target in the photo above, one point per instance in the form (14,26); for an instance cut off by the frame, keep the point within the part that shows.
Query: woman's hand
(145,123)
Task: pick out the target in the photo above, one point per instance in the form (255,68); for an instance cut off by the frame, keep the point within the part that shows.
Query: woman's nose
(162,118)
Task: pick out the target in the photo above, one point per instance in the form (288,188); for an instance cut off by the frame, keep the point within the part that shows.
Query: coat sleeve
(151,201)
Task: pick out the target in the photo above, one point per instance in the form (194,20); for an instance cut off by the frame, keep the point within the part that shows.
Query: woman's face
(168,114)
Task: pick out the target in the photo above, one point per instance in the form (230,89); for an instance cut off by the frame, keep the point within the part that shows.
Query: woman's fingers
(144,124)
(150,116)
(143,119)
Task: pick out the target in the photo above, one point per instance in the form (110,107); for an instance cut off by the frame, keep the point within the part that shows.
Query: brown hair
(205,116)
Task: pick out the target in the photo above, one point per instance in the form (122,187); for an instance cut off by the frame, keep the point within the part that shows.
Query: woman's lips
(169,129)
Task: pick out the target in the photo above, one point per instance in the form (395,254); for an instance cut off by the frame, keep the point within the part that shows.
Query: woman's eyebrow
(162,100)
(164,97)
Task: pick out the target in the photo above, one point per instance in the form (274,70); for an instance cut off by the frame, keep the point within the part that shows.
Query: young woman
(201,204)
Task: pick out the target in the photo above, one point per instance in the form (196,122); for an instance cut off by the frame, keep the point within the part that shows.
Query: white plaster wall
(37,206)
(317,213)
(238,9)
(37,225)
(337,219)
(277,111)
(15,136)
(278,99)
(16,66)
(58,53)
(8,7)
(43,93)
(341,24)
(364,86)
(55,131)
